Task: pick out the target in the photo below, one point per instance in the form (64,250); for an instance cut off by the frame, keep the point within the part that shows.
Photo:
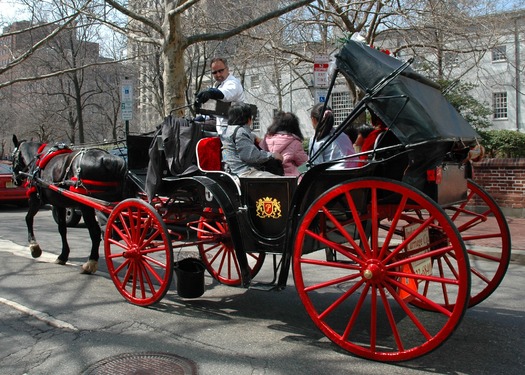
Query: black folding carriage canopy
(411,105)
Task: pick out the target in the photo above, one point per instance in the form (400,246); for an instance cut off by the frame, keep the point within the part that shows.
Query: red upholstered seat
(209,154)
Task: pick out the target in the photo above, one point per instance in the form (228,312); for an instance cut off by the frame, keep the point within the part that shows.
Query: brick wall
(504,180)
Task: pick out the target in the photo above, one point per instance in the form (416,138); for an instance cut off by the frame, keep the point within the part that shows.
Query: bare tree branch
(58,73)
(248,25)
(131,14)
(40,43)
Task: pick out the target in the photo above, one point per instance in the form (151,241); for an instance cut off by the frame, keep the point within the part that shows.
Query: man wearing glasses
(227,89)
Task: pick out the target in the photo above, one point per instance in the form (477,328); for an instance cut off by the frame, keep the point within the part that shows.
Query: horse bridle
(18,167)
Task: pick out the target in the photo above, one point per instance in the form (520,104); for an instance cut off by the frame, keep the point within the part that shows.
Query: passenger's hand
(277,156)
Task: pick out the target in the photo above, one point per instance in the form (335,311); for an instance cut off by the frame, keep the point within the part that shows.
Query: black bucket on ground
(190,277)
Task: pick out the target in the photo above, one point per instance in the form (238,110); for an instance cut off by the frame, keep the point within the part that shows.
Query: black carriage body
(267,202)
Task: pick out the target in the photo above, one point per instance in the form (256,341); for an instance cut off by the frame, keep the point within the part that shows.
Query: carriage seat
(209,154)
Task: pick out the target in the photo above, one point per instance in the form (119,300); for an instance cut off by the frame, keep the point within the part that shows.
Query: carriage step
(267,287)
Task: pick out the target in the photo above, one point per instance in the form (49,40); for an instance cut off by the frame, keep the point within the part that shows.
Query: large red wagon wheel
(486,235)
(387,236)
(217,252)
(138,252)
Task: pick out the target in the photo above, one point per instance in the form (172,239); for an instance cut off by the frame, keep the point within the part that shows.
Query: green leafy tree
(503,143)
(475,112)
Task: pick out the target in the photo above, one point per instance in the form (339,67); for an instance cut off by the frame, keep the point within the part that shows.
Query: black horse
(92,172)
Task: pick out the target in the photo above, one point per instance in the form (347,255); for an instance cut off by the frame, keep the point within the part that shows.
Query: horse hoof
(36,251)
(60,261)
(90,267)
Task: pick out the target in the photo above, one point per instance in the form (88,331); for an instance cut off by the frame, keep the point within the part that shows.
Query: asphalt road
(56,321)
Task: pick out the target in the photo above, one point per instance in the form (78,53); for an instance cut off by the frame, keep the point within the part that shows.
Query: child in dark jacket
(284,137)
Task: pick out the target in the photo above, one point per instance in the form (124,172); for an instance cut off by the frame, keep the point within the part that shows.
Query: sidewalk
(517,233)
(517,240)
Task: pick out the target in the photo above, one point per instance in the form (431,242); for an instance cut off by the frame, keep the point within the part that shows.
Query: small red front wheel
(138,252)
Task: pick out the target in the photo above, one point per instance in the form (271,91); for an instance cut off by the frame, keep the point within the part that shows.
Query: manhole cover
(143,364)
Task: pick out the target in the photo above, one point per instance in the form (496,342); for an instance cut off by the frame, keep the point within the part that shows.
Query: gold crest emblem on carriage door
(268,208)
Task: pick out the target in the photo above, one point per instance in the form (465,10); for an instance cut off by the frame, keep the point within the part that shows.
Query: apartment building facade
(492,60)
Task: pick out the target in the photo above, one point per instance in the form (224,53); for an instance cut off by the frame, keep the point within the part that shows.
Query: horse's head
(24,156)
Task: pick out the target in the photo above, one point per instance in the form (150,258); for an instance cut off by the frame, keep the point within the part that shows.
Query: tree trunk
(174,75)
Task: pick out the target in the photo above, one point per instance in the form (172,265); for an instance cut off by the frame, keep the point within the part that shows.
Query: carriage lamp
(435,175)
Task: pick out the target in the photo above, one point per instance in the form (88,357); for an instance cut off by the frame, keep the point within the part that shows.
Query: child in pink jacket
(284,137)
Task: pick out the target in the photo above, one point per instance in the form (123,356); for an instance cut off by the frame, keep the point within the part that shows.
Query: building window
(499,104)
(499,53)
(255,81)
(256,125)
(341,106)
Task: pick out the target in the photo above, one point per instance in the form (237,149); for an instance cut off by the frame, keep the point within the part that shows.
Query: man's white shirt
(233,92)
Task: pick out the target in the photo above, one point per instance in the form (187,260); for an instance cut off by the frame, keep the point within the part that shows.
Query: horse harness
(75,184)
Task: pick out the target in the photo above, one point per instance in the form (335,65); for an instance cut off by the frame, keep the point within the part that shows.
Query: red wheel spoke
(211,248)
(337,247)
(353,318)
(357,221)
(420,326)
(443,286)
(141,279)
(482,236)
(224,258)
(476,220)
(373,317)
(332,282)
(340,300)
(342,230)
(129,267)
(123,265)
(391,320)
(428,278)
(123,236)
(430,255)
(374,237)
(480,275)
(127,217)
(392,229)
(438,307)
(152,270)
(153,250)
(403,244)
(145,267)
(331,264)
(461,208)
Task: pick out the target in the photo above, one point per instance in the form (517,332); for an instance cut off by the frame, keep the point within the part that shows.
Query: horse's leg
(88,213)
(62,229)
(33,207)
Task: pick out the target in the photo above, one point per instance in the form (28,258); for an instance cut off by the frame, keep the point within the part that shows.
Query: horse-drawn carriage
(386,256)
